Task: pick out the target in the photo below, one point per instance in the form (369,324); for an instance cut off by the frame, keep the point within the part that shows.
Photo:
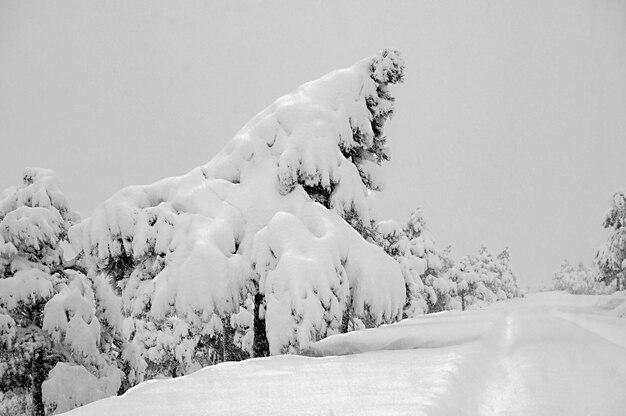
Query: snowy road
(549,354)
(538,363)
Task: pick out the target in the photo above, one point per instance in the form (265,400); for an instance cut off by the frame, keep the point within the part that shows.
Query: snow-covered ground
(546,354)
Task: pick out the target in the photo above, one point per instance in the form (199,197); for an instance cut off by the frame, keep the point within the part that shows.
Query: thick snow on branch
(264,214)
(25,285)
(69,386)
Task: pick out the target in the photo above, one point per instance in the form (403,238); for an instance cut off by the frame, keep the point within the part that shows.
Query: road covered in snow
(546,354)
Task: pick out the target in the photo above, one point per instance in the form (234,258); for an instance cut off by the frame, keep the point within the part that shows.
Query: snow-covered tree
(428,287)
(438,285)
(611,256)
(54,341)
(508,279)
(467,286)
(412,263)
(270,223)
(578,279)
(486,278)
(445,287)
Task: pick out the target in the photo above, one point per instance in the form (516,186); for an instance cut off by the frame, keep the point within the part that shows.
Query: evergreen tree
(51,321)
(611,256)
(273,225)
(410,256)
(486,279)
(576,279)
(508,278)
(429,288)
(438,285)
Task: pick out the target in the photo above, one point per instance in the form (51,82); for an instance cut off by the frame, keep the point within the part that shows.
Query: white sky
(510,129)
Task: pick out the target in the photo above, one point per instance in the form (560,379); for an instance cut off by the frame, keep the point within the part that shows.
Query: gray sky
(510,129)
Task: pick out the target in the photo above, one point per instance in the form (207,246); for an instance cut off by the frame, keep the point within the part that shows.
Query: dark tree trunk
(462,301)
(39,376)
(228,344)
(261,347)
(617,283)
(345,320)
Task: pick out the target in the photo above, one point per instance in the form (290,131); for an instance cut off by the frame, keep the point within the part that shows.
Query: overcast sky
(510,127)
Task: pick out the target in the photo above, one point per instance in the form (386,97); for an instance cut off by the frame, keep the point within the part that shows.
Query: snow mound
(438,330)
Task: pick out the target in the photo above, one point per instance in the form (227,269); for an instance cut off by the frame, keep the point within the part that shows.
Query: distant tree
(578,279)
(611,256)
(466,286)
(429,288)
(509,284)
(438,285)
(446,287)
(412,263)
(479,282)
(54,326)
(486,278)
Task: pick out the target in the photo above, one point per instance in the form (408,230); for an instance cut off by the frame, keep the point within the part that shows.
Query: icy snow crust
(549,353)
(200,243)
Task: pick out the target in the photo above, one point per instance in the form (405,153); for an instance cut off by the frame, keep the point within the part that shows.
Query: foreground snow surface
(547,354)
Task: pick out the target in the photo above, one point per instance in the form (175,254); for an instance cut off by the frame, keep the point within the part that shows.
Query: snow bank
(438,330)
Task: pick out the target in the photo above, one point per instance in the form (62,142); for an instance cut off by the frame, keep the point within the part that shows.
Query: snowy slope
(545,354)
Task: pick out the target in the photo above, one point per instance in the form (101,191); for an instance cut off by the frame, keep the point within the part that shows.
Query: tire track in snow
(533,362)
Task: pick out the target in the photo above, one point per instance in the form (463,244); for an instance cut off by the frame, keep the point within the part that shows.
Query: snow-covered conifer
(611,256)
(437,285)
(445,285)
(486,278)
(508,278)
(578,279)
(49,325)
(264,220)
(428,289)
(410,256)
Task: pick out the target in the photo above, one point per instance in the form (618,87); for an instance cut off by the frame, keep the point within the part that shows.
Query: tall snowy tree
(271,223)
(51,335)
(611,256)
